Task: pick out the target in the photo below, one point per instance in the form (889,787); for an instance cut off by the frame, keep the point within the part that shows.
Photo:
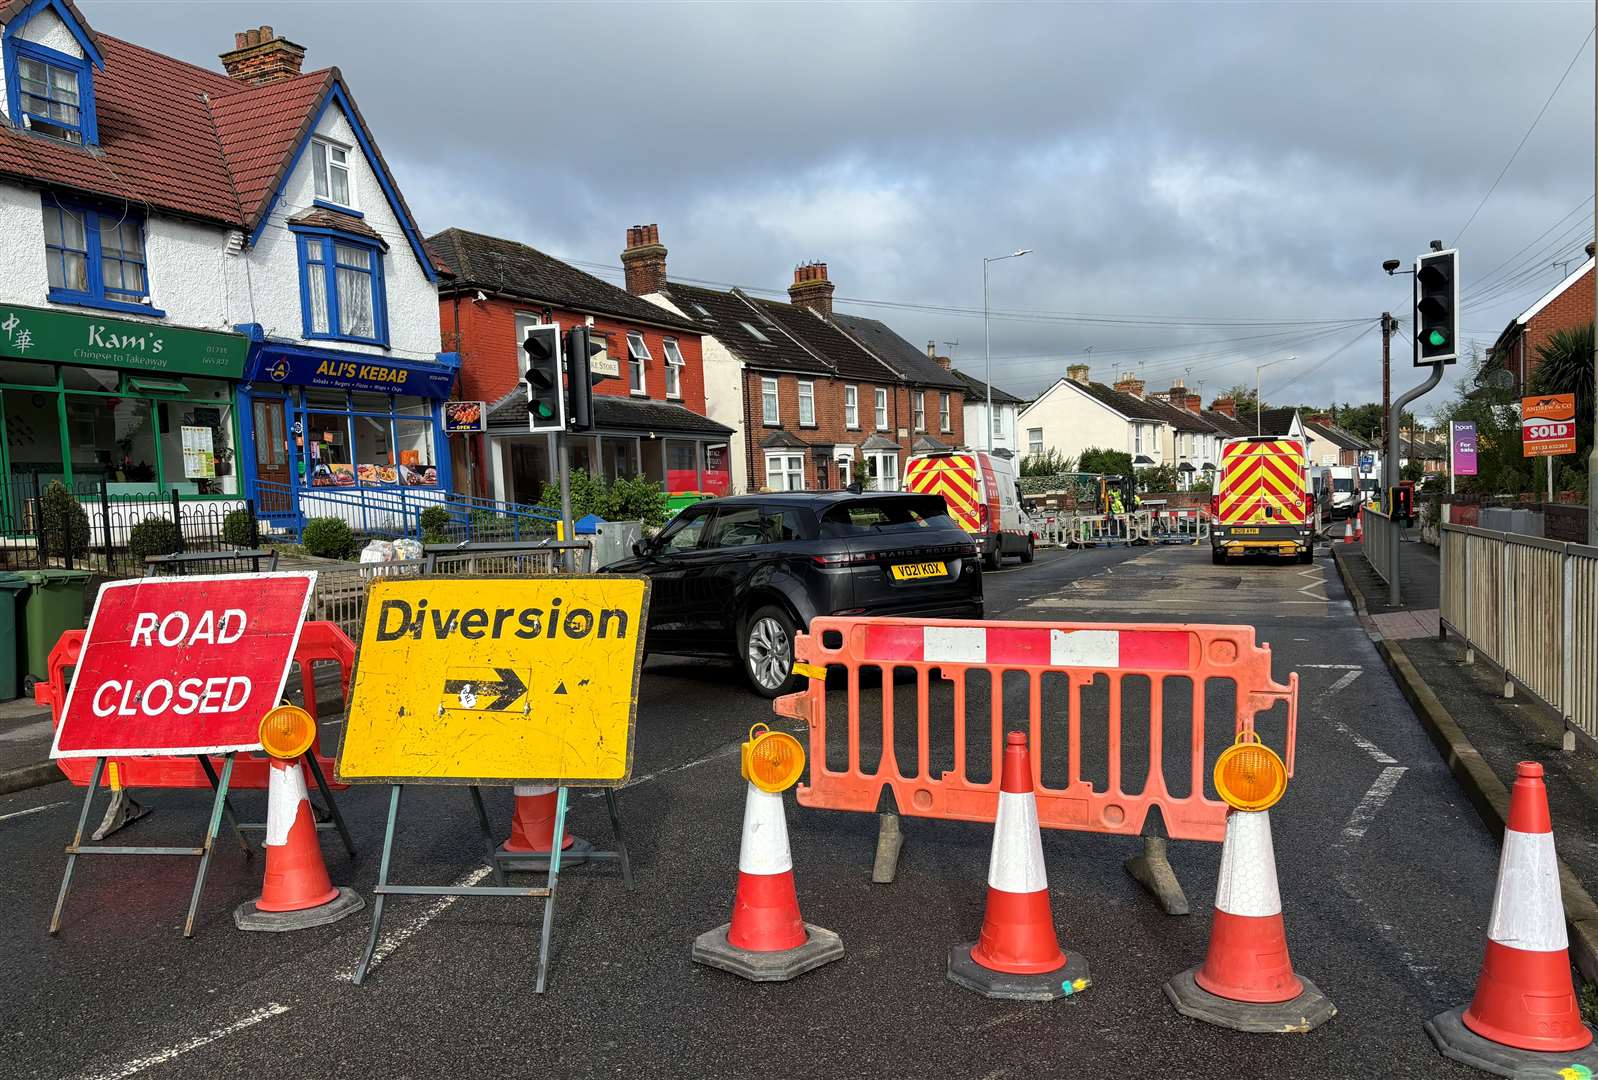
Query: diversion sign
(182,665)
(496,681)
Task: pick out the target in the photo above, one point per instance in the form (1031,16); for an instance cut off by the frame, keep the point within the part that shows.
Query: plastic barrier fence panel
(1124,718)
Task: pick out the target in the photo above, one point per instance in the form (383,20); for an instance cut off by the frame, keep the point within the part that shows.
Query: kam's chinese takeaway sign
(64,337)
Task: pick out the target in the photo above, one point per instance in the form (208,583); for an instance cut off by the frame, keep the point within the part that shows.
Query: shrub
(328,538)
(154,536)
(63,526)
(1109,462)
(629,498)
(435,520)
(238,529)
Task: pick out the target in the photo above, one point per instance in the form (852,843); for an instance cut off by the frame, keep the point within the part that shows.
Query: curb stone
(29,776)
(1481,785)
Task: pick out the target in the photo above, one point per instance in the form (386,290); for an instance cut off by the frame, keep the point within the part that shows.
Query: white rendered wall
(724,398)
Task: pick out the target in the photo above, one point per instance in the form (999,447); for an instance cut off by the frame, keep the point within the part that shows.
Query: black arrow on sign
(509,689)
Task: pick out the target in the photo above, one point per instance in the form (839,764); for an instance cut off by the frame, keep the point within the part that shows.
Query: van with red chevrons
(983,498)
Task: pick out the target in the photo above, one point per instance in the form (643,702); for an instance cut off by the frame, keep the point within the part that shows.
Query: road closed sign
(496,681)
(182,665)
(1548,425)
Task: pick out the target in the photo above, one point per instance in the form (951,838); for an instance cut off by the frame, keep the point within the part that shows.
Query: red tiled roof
(177,137)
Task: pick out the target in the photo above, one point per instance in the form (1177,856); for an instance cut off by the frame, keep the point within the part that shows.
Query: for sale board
(497,681)
(182,665)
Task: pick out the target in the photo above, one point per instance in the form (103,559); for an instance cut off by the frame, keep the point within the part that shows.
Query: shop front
(321,422)
(120,409)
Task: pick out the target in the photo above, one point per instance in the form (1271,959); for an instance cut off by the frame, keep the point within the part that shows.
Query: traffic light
(546,404)
(580,348)
(1437,308)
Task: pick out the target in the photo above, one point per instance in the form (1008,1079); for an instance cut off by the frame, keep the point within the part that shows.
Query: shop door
(273,494)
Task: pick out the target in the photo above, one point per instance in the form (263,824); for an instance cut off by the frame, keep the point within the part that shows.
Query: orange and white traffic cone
(1018,954)
(1247,981)
(1524,1017)
(532,832)
(1348,531)
(767,940)
(297,892)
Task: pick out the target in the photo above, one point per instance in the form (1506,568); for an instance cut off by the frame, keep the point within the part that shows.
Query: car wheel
(1031,551)
(992,558)
(768,652)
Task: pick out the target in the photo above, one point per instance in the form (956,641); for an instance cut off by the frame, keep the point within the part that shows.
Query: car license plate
(1243,531)
(912,571)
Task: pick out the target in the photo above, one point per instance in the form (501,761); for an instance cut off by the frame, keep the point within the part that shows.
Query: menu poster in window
(199,453)
(418,475)
(333,475)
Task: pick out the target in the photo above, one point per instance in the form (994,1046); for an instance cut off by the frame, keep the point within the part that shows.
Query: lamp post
(1258,420)
(987,345)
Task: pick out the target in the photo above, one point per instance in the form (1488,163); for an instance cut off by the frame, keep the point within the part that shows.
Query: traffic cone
(1359,525)
(297,892)
(532,830)
(1018,954)
(767,940)
(1246,981)
(1524,1015)
(1348,531)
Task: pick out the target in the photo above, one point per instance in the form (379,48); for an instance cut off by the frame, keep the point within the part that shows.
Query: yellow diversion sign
(496,680)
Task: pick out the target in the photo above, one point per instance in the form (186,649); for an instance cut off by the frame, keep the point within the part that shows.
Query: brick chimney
(259,57)
(1319,418)
(644,260)
(1079,373)
(811,289)
(943,362)
(1177,395)
(1130,386)
(1225,406)
(1194,403)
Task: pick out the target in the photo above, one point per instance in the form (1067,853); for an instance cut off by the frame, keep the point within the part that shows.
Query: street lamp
(987,345)
(1258,421)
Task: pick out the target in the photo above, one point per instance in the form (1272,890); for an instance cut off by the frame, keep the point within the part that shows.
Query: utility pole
(1388,326)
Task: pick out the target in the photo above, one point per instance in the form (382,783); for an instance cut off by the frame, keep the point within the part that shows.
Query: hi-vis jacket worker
(1115,502)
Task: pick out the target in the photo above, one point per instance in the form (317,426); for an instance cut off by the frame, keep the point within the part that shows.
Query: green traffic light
(1436,338)
(545,410)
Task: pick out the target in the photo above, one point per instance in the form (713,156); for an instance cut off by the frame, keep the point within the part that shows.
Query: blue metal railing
(398,512)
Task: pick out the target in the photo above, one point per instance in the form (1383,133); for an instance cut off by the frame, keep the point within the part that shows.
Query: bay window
(785,471)
(341,287)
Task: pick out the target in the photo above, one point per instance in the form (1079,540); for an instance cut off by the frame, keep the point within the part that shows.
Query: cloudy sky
(1204,187)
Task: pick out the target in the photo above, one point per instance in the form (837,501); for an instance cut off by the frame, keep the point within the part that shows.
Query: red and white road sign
(1548,425)
(183,665)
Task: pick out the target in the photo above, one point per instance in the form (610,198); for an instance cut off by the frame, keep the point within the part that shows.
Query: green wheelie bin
(54,604)
(12,592)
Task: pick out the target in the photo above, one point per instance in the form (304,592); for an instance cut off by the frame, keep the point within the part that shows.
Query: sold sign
(1548,425)
(182,665)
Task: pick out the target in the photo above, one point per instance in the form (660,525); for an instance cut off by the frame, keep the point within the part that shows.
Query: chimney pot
(259,57)
(240,40)
(1079,373)
(1194,403)
(266,33)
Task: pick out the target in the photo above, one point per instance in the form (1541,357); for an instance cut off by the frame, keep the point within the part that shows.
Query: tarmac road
(1386,876)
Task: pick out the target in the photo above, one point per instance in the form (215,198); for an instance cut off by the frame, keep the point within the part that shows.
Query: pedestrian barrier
(1375,535)
(1529,607)
(1055,530)
(1078,679)
(1179,526)
(1091,530)
(1523,1019)
(320,642)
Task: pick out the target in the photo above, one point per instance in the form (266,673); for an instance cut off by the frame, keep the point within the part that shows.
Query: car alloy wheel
(770,653)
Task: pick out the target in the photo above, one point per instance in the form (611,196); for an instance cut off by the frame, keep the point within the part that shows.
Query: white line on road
(1380,756)
(161,1057)
(31,810)
(1343,682)
(401,934)
(1374,799)
(1333,667)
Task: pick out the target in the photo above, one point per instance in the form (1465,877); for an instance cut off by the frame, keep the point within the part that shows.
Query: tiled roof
(1125,404)
(1337,436)
(728,314)
(612,413)
(322,218)
(1230,426)
(505,266)
(259,127)
(783,440)
(916,366)
(1276,421)
(977,390)
(1180,419)
(843,354)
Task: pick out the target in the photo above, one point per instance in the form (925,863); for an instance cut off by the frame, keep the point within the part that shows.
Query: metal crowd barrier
(1189,526)
(1093,529)
(1529,606)
(1377,543)
(937,748)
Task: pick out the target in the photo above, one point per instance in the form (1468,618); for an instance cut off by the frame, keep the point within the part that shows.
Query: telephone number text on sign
(182,665)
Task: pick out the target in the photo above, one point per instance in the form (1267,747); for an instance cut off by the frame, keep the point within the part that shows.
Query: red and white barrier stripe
(1163,650)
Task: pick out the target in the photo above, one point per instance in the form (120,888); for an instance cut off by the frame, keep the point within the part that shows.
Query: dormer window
(330,163)
(49,92)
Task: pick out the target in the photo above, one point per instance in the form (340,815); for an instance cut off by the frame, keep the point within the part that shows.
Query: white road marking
(1343,682)
(1333,667)
(401,934)
(1380,756)
(1382,790)
(161,1057)
(31,810)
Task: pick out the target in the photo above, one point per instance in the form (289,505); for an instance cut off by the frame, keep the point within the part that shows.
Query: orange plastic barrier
(320,642)
(1081,653)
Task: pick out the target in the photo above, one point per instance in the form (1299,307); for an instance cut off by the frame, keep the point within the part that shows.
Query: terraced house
(210,285)
(818,400)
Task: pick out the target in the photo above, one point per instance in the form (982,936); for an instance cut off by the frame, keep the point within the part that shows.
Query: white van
(983,497)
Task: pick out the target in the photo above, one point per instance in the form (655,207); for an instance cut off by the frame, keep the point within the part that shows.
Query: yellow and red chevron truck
(983,497)
(1263,502)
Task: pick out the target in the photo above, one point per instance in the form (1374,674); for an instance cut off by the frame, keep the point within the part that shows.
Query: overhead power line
(1516,153)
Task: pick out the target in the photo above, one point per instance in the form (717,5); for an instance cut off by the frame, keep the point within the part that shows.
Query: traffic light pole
(563,459)
(1394,596)
(1388,478)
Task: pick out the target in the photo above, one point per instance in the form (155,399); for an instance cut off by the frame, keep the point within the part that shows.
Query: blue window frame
(342,297)
(95,257)
(50,92)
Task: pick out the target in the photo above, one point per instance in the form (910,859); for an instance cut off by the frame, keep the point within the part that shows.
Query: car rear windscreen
(872,517)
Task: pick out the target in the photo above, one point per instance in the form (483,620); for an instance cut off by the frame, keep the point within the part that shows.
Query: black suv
(739,576)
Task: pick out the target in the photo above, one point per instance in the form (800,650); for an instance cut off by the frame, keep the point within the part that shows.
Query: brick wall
(1572,308)
(491,357)
(1567,524)
(830,428)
